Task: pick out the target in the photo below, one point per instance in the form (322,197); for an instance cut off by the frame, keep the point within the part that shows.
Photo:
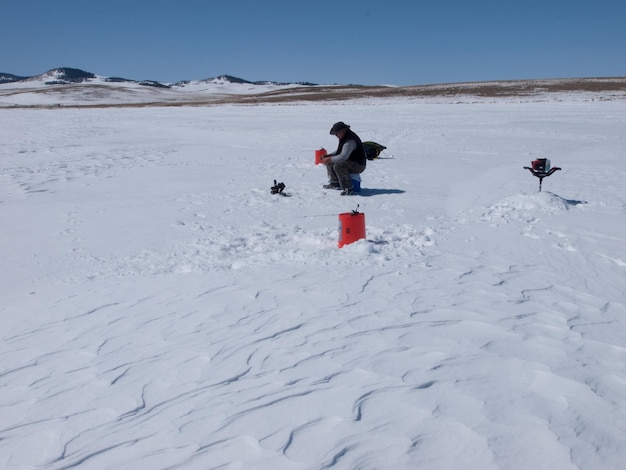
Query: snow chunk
(526,207)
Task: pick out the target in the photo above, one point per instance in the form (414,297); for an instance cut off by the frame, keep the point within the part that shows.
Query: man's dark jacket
(358,154)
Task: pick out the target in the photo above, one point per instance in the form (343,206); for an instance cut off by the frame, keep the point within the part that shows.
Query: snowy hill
(76,88)
(229,79)
(67,76)
(64,76)
(9,78)
(229,85)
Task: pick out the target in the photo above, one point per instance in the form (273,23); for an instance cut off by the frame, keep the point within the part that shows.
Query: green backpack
(372,149)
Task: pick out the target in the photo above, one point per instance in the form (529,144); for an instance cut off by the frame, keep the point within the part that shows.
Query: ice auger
(541,169)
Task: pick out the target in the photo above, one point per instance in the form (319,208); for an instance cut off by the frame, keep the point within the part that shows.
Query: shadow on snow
(376,192)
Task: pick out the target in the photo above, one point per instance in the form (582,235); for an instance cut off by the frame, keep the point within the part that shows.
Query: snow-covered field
(161,309)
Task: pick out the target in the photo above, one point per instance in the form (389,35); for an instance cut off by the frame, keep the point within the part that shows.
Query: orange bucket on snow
(351,227)
(318,155)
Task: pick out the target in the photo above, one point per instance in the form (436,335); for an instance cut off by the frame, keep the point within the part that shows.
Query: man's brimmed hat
(338,127)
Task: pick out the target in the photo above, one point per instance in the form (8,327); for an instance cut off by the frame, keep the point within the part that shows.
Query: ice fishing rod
(314,215)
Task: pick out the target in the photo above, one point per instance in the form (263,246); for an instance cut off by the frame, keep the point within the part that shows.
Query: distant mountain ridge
(9,78)
(68,76)
(72,87)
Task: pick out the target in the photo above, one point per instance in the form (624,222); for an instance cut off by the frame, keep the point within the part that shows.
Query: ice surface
(161,309)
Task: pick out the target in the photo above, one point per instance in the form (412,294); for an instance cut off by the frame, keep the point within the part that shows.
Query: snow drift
(161,309)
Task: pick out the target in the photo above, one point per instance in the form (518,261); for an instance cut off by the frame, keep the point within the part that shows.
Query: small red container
(351,227)
(318,155)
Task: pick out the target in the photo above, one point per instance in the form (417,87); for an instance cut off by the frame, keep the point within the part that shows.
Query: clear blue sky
(399,42)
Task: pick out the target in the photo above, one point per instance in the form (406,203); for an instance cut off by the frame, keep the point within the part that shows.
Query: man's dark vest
(358,154)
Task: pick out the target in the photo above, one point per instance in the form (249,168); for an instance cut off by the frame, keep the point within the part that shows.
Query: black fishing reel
(278,188)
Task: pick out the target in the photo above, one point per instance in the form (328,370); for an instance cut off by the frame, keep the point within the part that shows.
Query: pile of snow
(527,207)
(162,309)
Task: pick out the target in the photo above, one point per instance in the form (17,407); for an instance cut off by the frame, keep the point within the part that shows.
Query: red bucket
(318,156)
(351,227)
